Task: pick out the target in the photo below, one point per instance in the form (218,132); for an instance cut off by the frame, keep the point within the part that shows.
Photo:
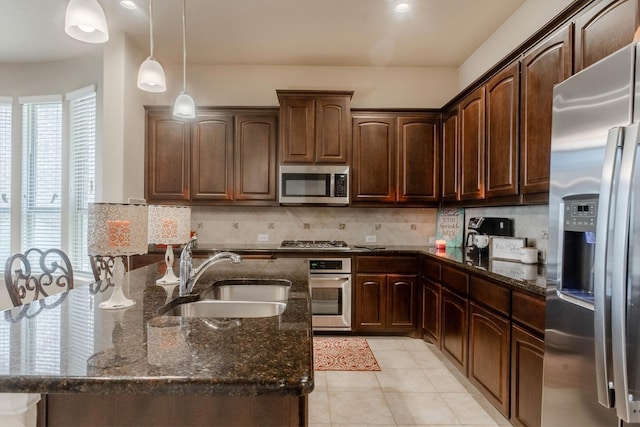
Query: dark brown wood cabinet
(547,64)
(454,312)
(527,353)
(471,116)
(386,294)
(450,156)
(395,158)
(315,126)
(223,156)
(431,292)
(502,139)
(373,167)
(167,158)
(603,29)
(489,355)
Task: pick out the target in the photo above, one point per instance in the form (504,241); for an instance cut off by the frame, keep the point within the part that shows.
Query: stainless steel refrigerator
(592,337)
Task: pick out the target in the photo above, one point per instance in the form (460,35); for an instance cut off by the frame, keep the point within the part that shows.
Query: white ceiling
(436,33)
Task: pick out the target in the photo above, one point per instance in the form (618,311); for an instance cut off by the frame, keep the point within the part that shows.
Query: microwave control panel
(341,185)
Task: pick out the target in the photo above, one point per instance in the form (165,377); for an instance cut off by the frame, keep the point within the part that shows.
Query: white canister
(529,255)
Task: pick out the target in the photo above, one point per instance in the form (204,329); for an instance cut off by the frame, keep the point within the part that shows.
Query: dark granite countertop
(67,344)
(526,277)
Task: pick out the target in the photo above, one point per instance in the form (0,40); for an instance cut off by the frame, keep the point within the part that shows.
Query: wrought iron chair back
(102,266)
(26,283)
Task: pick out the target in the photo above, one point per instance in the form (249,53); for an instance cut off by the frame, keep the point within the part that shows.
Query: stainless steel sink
(248,290)
(227,309)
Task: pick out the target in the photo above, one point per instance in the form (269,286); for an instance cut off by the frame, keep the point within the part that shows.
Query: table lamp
(117,229)
(169,225)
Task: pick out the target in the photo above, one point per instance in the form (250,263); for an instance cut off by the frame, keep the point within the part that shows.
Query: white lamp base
(118,299)
(169,277)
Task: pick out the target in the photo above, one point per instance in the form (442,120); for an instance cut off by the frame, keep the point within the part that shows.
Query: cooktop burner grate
(314,244)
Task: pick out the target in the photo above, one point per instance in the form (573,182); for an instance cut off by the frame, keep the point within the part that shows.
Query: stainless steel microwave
(314,184)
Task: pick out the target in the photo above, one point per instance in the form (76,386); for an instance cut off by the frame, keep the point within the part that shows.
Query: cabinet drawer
(431,270)
(490,294)
(455,280)
(386,264)
(528,311)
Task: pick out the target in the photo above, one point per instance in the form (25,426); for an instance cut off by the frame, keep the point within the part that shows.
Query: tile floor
(417,386)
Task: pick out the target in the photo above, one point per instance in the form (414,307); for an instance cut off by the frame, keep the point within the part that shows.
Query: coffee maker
(481,228)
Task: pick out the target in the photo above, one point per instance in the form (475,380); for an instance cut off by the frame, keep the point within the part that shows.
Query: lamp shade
(184,106)
(117,229)
(151,76)
(169,225)
(85,21)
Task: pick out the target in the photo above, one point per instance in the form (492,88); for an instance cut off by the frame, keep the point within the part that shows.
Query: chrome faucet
(189,276)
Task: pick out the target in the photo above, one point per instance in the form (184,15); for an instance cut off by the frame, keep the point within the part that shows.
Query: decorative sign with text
(450,226)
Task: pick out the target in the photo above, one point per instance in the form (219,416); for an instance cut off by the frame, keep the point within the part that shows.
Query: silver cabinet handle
(602,313)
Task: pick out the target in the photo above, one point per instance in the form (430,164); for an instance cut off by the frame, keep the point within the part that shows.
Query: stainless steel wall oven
(330,287)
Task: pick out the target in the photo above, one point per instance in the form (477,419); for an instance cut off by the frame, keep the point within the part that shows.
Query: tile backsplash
(390,226)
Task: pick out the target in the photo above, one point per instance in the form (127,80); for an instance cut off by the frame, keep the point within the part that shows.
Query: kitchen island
(134,367)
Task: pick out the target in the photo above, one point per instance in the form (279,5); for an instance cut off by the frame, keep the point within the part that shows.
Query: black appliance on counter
(481,228)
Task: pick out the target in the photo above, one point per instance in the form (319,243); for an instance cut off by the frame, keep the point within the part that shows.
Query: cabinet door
(503,99)
(546,65)
(255,157)
(333,129)
(167,160)
(418,159)
(603,29)
(401,302)
(373,167)
(297,130)
(450,157)
(454,311)
(472,161)
(431,311)
(371,301)
(212,157)
(527,353)
(489,356)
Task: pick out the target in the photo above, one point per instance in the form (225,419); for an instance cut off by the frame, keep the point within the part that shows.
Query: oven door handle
(329,281)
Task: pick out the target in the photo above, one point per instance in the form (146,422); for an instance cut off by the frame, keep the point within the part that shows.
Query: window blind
(82,111)
(5,180)
(42,175)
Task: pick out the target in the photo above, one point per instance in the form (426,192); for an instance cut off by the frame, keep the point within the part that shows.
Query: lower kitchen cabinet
(386,294)
(489,351)
(527,353)
(454,312)
(431,292)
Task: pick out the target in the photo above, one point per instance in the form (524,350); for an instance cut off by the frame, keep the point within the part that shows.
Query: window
(82,138)
(5,178)
(41,175)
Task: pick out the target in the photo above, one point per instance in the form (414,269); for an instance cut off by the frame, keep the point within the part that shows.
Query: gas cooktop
(315,245)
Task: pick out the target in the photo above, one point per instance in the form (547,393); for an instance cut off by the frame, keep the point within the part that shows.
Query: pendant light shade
(85,21)
(151,75)
(184,106)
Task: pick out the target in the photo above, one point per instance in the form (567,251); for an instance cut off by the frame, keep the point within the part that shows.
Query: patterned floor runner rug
(343,354)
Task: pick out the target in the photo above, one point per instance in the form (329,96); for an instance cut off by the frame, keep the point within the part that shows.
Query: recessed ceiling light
(402,6)
(128,4)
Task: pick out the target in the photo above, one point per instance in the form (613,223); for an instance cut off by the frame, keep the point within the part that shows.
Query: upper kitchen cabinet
(471,118)
(315,126)
(450,156)
(603,29)
(223,156)
(167,160)
(502,107)
(545,65)
(395,158)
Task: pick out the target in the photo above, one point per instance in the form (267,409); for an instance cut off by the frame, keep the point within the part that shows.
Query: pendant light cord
(184,49)
(151,28)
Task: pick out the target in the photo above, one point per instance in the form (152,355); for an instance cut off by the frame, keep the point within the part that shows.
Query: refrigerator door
(586,106)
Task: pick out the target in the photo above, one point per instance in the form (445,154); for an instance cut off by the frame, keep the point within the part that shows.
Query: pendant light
(151,75)
(85,21)
(184,106)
